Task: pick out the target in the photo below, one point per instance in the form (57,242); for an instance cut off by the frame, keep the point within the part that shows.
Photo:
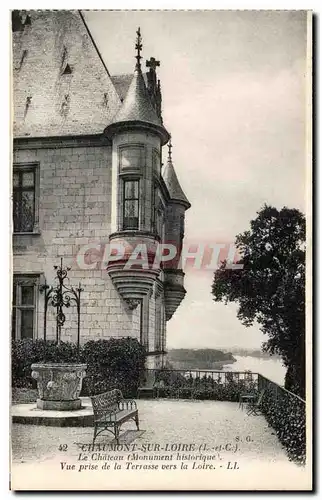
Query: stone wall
(74,210)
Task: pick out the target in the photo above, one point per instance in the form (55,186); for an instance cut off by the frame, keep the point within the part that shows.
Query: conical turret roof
(137,105)
(137,109)
(173,185)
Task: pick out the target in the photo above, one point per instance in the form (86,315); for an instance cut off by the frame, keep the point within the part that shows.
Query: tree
(270,287)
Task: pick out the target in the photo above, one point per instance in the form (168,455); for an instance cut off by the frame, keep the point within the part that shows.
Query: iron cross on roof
(152,64)
(138,47)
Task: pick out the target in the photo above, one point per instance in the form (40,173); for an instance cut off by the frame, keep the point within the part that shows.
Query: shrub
(205,387)
(111,363)
(26,352)
(286,414)
(170,378)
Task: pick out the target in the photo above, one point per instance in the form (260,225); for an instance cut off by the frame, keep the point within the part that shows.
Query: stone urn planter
(59,385)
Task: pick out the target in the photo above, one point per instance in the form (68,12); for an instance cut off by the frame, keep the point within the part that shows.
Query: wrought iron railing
(283,410)
(200,384)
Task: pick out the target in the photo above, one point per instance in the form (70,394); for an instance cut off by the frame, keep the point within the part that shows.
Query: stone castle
(88,172)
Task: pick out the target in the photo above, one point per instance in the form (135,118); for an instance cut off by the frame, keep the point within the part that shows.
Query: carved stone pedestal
(59,385)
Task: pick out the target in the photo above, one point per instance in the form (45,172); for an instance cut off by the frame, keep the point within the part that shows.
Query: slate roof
(173,185)
(49,101)
(122,83)
(137,104)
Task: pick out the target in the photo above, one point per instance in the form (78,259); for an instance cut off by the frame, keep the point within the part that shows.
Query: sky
(234,100)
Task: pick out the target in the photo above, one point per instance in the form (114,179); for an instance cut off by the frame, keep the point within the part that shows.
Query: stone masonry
(65,104)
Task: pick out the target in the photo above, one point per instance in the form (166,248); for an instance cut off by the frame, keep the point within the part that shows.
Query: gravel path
(213,427)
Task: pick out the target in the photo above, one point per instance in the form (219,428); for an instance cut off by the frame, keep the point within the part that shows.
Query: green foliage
(112,363)
(286,414)
(26,352)
(170,378)
(226,387)
(270,288)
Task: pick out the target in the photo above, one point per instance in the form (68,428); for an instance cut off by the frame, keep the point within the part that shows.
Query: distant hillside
(203,359)
(256,353)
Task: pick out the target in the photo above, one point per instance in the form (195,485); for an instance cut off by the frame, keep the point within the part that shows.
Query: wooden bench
(111,410)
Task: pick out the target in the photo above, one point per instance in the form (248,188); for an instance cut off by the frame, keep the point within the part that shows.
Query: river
(271,368)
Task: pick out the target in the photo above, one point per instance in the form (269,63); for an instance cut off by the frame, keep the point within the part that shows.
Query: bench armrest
(127,404)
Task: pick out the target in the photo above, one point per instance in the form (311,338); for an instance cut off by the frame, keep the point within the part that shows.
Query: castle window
(26,182)
(131,157)
(158,216)
(159,221)
(23,322)
(156,162)
(24,199)
(131,204)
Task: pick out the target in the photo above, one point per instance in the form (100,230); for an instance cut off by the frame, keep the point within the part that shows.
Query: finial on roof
(170,150)
(152,64)
(139,109)
(138,47)
(171,181)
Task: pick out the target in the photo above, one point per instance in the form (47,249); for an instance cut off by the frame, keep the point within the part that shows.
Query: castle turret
(137,135)
(174,290)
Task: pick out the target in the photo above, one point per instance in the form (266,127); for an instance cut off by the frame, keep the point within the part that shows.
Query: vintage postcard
(161,250)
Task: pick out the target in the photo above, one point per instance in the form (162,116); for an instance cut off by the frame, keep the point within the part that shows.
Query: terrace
(284,411)
(243,451)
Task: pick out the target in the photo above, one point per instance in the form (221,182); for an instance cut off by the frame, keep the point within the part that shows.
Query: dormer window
(67,70)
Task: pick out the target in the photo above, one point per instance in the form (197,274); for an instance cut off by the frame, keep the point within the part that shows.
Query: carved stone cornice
(133,125)
(172,299)
(174,291)
(133,233)
(158,292)
(133,303)
(134,281)
(60,142)
(132,284)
